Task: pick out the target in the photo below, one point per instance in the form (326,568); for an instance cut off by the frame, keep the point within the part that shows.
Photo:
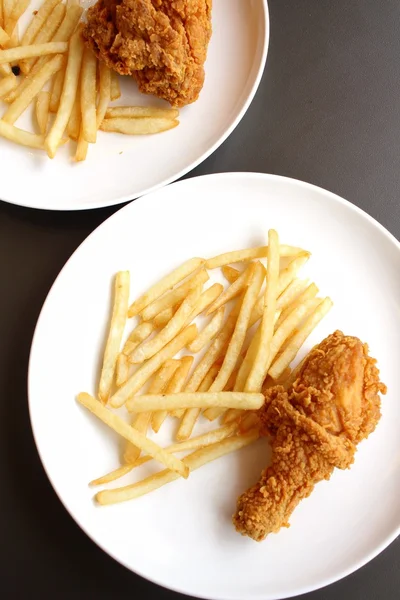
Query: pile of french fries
(254,329)
(51,68)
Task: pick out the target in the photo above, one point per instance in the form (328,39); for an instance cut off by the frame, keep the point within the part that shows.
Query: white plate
(120,168)
(181,536)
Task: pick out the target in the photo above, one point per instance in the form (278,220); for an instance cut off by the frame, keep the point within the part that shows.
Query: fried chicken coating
(332,404)
(161,43)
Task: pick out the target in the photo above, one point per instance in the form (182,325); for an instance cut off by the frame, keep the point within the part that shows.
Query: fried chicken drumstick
(161,43)
(332,404)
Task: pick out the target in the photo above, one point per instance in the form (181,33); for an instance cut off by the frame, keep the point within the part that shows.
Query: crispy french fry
(213,413)
(255,279)
(258,369)
(209,378)
(7,84)
(310,292)
(104,92)
(248,254)
(174,386)
(138,379)
(4,37)
(209,332)
(232,415)
(287,275)
(201,441)
(133,436)
(18,9)
(176,324)
(115,333)
(232,291)
(283,379)
(81,148)
(165,284)
(7,10)
(248,361)
(140,112)
(56,91)
(122,369)
(115,89)
(207,298)
(68,94)
(230,273)
(74,121)
(16,54)
(249,422)
(293,291)
(174,296)
(21,137)
(42,111)
(290,352)
(21,103)
(88,96)
(193,461)
(163,317)
(140,333)
(5,71)
(1,13)
(38,21)
(144,126)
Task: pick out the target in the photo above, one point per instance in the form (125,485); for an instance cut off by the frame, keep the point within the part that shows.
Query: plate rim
(234,123)
(335,199)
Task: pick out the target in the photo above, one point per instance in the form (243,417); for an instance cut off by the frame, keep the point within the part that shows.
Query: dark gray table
(327,112)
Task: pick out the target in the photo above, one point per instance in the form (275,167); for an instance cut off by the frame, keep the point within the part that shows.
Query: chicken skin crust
(162,44)
(331,404)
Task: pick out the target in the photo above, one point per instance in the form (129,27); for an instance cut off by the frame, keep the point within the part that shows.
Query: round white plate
(120,168)
(181,536)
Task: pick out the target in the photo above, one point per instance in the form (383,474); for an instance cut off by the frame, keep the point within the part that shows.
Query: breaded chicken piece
(161,43)
(332,404)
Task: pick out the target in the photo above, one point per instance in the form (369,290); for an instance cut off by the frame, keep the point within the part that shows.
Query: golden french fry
(194,461)
(142,421)
(232,416)
(163,317)
(5,71)
(88,96)
(140,333)
(21,137)
(248,361)
(16,54)
(293,291)
(287,275)
(209,332)
(1,13)
(42,111)
(81,148)
(74,121)
(165,284)
(68,94)
(213,413)
(130,112)
(310,292)
(18,9)
(290,352)
(7,84)
(258,369)
(248,254)
(139,378)
(249,422)
(176,324)
(7,10)
(144,126)
(230,273)
(38,21)
(122,369)
(115,333)
(174,386)
(207,298)
(175,296)
(104,92)
(209,378)
(4,37)
(255,279)
(130,434)
(201,441)
(232,291)
(56,91)
(115,89)
(21,103)
(283,380)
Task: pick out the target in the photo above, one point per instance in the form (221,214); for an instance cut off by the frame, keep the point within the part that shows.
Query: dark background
(327,112)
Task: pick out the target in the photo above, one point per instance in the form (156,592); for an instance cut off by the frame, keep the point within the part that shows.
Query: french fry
(88,96)
(133,436)
(150,347)
(21,103)
(310,292)
(163,317)
(4,37)
(209,331)
(283,380)
(290,352)
(293,291)
(201,441)
(141,421)
(138,379)
(255,280)
(230,273)
(1,13)
(144,126)
(74,121)
(38,21)
(232,291)
(249,422)
(287,275)
(122,369)
(174,296)
(165,284)
(42,111)
(209,378)
(7,84)
(21,137)
(140,333)
(248,361)
(16,54)
(104,93)
(5,71)
(115,89)
(130,112)
(174,386)
(68,94)
(18,9)
(207,298)
(194,461)
(258,369)
(56,91)
(213,413)
(7,10)
(81,148)
(248,254)
(115,333)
